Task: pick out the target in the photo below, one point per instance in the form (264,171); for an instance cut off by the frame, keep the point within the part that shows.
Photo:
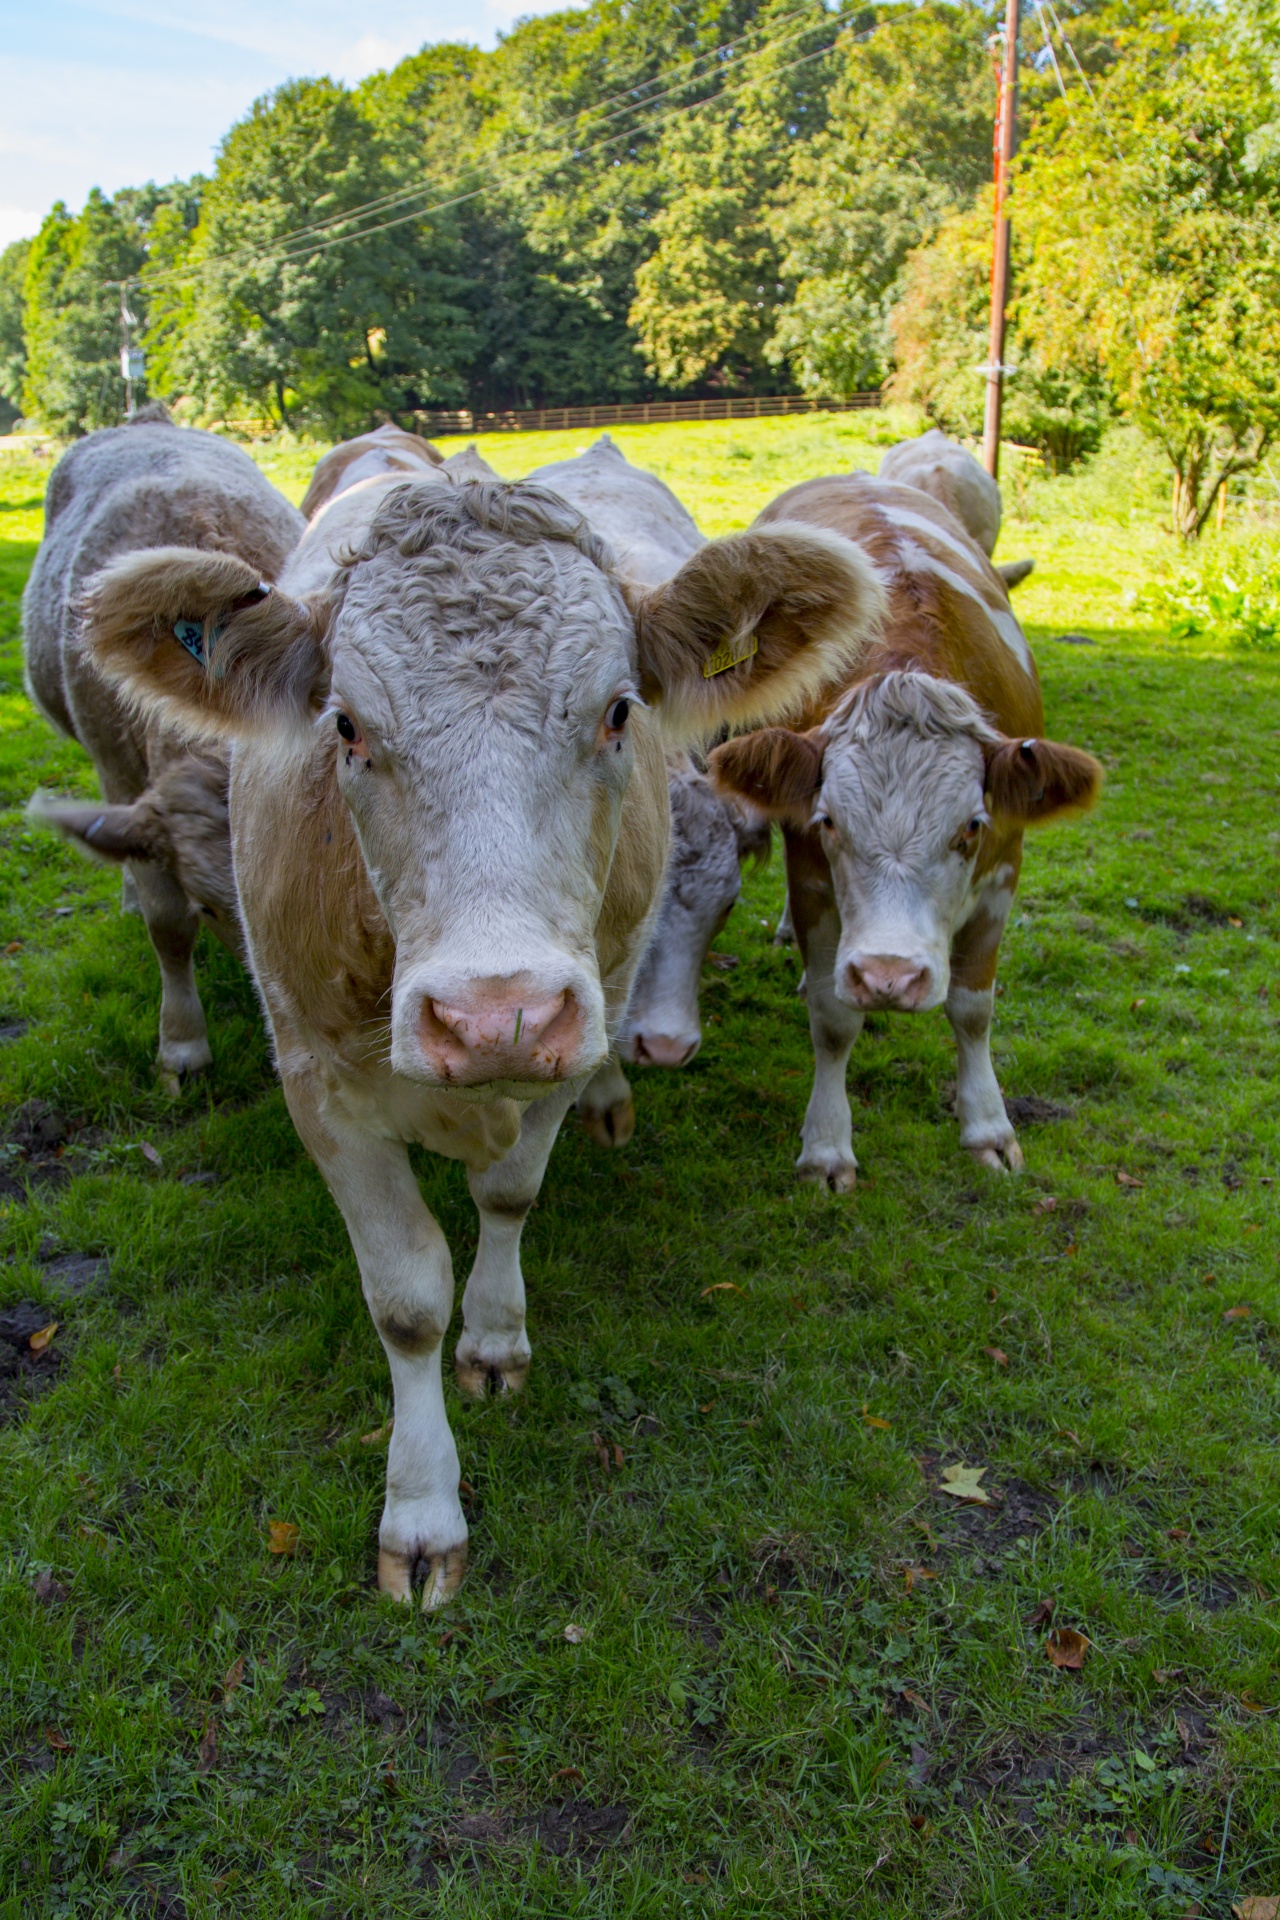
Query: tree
(326,328)
(13,351)
(907,140)
(939,339)
(71,315)
(1152,227)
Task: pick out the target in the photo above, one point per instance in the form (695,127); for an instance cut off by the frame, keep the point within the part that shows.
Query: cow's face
(710,837)
(482,704)
(476,674)
(910,791)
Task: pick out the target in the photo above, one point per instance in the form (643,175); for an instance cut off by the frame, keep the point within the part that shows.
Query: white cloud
(17,223)
(371,53)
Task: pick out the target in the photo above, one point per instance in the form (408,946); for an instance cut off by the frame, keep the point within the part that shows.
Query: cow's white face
(901,817)
(709,839)
(481,706)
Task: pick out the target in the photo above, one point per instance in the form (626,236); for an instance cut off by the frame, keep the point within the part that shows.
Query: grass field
(807,1682)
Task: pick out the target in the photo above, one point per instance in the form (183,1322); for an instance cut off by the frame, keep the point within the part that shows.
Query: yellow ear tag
(731,653)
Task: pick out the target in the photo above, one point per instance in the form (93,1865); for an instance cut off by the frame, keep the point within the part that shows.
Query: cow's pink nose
(887,980)
(500,1036)
(664,1049)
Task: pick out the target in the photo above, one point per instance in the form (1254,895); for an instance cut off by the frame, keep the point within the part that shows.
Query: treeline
(729,197)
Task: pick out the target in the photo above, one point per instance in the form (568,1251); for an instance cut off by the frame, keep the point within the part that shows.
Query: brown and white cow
(949,473)
(449,824)
(903,797)
(146,485)
(388,450)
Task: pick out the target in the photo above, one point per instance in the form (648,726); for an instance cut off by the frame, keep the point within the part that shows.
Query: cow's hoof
(611,1126)
(836,1175)
(442,1575)
(179,1059)
(482,1372)
(1004,1158)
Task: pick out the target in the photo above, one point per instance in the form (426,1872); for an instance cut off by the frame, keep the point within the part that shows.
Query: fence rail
(638,413)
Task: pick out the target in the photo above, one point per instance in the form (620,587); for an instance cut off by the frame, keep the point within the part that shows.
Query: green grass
(766,1716)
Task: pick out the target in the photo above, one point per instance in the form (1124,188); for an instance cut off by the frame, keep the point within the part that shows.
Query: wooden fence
(638,413)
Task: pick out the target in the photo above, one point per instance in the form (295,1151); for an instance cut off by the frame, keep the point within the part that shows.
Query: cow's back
(650,533)
(951,476)
(949,612)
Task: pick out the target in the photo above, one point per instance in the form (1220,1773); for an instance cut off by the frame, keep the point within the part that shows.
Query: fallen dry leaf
(993,1294)
(1163,1674)
(1258,1906)
(1066,1648)
(50,1591)
(570,1773)
(1069,1433)
(917,1699)
(1135,1004)
(40,1340)
(1042,1614)
(962,1483)
(150,1155)
(726,962)
(575,1634)
(997,1354)
(1073,1247)
(1124,1179)
(58,1741)
(601,1452)
(232,1677)
(378,1433)
(1232,1313)
(1048,1205)
(874,1420)
(1251,1703)
(1178,1533)
(208,1753)
(283,1537)
(14,946)
(917,1821)
(721,1286)
(1233,922)
(911,1574)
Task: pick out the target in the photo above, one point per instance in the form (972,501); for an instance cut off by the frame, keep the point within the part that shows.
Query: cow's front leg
(826,1155)
(493,1350)
(407,1278)
(985,1128)
(605,1106)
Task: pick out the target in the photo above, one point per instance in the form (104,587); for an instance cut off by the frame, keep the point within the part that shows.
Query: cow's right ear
(776,770)
(197,638)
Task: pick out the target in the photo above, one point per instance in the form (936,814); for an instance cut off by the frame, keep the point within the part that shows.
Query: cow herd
(432,758)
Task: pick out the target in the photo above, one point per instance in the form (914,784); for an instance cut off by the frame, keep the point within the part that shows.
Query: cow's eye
(347,727)
(967,838)
(616,718)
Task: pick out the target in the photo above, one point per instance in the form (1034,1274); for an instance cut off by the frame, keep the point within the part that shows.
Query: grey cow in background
(651,535)
(145,485)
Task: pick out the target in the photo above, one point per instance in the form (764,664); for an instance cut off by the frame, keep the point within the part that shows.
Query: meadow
(801,1680)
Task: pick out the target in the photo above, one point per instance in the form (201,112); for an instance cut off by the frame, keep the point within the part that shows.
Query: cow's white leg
(173,926)
(827,1135)
(985,1128)
(493,1349)
(407,1279)
(605,1106)
(786,934)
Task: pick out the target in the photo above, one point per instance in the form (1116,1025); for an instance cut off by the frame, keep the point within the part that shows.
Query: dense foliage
(745,197)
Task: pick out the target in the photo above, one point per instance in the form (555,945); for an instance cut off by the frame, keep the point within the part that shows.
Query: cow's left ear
(753,627)
(774,770)
(1033,780)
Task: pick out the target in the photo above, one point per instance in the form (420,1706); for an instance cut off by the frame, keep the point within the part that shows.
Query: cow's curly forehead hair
(455,529)
(914,704)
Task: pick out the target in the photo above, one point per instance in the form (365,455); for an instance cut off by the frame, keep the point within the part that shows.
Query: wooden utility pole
(1006,142)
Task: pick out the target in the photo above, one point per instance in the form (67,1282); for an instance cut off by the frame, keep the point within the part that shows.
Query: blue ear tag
(191,635)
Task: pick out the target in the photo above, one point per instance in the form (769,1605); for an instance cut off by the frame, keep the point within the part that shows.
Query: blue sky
(110,93)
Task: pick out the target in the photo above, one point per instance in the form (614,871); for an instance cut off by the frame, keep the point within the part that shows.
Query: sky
(111,93)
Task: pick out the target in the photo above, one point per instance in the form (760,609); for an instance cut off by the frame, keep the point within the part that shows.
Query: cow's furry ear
(1028,781)
(198,639)
(777,771)
(754,627)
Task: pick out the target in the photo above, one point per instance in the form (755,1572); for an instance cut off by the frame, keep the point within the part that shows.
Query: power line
(285,247)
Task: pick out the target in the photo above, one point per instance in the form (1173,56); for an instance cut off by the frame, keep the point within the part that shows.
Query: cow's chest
(387,1105)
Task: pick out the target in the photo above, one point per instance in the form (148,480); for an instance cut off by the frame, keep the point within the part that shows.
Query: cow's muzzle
(500,1031)
(888,980)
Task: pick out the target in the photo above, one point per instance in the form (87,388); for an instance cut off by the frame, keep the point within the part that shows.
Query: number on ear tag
(191,635)
(730,653)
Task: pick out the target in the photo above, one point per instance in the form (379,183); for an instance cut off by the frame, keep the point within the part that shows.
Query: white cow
(449,824)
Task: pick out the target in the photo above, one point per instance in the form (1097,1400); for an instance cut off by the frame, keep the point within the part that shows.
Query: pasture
(724,1646)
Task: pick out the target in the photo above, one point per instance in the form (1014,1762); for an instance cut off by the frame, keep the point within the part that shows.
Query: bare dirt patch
(25,1372)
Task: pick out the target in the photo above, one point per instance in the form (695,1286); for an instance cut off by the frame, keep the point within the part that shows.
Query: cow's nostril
(665,1049)
(887,980)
